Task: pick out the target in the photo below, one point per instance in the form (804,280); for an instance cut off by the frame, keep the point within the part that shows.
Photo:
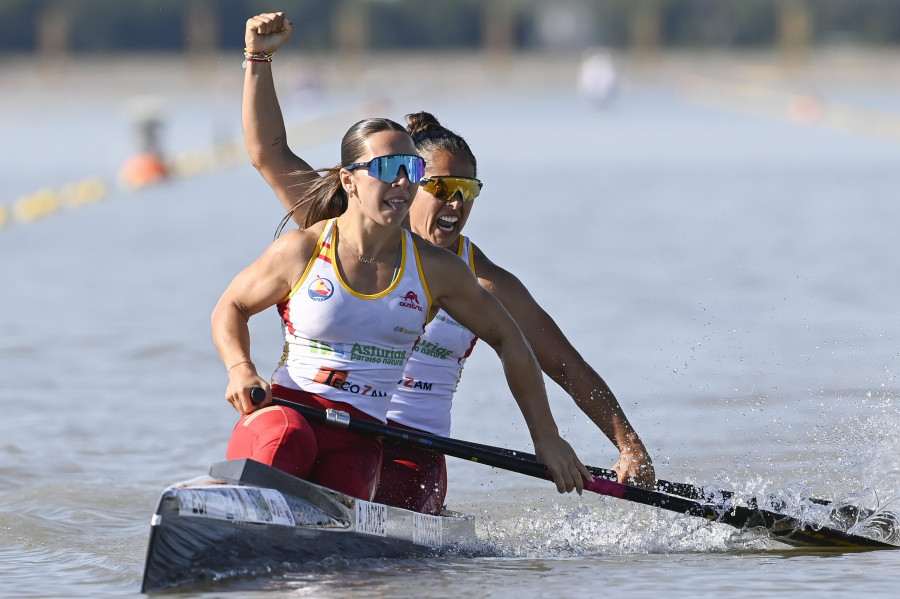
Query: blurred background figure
(598,79)
(147,166)
(306,84)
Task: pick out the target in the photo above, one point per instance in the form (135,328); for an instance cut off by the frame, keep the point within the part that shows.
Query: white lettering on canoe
(428,530)
(371,518)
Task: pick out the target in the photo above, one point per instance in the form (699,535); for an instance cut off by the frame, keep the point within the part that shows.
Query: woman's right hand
(242,379)
(267,32)
(566,470)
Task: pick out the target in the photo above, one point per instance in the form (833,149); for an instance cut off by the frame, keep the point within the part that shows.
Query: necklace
(359,256)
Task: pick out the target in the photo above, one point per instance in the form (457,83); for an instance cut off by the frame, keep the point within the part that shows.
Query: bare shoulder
(297,243)
(286,258)
(430,253)
(491,275)
(444,272)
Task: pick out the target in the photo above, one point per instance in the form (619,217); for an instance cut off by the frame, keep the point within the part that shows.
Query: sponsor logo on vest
(412,383)
(331,377)
(444,318)
(405,331)
(326,348)
(338,380)
(320,289)
(378,355)
(359,352)
(434,350)
(411,300)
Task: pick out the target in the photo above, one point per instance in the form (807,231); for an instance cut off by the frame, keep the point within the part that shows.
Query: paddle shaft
(529,467)
(673,488)
(737,516)
(681,489)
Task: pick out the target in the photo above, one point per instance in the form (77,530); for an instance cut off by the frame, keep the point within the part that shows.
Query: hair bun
(420,123)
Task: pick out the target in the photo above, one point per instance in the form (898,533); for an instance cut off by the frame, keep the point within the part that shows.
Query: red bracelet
(258,56)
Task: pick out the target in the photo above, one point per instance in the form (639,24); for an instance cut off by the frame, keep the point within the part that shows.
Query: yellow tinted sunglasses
(444,188)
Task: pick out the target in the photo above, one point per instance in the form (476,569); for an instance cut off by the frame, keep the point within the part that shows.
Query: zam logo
(412,383)
(411,300)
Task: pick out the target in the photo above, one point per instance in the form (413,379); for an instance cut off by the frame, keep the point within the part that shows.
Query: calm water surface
(733,277)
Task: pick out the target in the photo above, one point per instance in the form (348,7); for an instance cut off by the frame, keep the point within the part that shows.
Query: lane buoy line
(86,192)
(47,200)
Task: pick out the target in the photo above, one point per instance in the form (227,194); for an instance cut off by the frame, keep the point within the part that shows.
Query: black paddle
(688,491)
(785,528)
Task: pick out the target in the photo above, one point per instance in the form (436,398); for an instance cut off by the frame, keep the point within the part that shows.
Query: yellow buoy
(37,205)
(79,193)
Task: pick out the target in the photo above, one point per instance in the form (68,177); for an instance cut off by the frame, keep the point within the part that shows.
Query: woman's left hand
(635,468)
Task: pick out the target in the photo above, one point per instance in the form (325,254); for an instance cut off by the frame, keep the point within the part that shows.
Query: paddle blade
(781,527)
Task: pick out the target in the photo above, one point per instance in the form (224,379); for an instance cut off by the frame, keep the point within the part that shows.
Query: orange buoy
(142,170)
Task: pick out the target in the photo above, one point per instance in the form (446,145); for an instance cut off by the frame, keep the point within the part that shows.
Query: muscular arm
(264,132)
(458,292)
(262,284)
(559,359)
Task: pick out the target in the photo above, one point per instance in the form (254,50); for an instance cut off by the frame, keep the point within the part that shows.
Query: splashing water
(602,527)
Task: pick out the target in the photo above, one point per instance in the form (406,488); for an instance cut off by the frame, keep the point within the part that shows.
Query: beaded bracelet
(256,57)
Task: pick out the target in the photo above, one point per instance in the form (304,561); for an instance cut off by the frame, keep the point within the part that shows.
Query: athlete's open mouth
(447,223)
(397,203)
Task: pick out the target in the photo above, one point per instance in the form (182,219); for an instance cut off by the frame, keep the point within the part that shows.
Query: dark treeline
(97,26)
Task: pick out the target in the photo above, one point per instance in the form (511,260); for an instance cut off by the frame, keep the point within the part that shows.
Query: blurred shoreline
(33,80)
(851,90)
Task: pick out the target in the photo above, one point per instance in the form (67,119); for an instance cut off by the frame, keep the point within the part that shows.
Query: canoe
(246,516)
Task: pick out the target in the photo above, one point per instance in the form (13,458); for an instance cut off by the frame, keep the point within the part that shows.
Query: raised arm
(457,291)
(560,360)
(264,130)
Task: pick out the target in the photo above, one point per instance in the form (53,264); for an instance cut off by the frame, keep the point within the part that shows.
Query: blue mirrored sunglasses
(386,168)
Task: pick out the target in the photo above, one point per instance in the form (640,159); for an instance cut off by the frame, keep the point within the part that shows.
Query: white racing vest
(425,393)
(347,346)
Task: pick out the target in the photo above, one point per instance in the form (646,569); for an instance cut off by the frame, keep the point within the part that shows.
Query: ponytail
(324,198)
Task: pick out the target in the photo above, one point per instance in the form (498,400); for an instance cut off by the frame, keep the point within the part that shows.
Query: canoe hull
(246,516)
